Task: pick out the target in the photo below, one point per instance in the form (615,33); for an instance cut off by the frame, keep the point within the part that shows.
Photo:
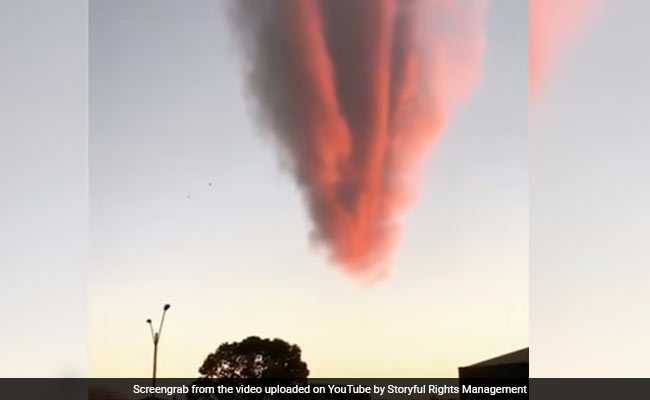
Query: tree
(254,357)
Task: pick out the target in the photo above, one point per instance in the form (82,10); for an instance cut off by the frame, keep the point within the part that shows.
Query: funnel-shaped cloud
(355,92)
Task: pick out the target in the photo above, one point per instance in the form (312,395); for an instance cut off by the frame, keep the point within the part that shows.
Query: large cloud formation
(355,92)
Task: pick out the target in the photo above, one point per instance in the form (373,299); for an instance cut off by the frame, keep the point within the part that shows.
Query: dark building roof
(508,366)
(516,357)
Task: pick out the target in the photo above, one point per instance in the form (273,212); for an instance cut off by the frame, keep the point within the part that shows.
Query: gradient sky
(590,193)
(168,116)
(43,187)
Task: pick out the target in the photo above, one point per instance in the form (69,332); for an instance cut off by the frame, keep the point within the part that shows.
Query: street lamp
(155,337)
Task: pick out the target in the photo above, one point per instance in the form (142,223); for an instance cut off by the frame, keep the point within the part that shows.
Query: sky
(589,195)
(44,187)
(189,205)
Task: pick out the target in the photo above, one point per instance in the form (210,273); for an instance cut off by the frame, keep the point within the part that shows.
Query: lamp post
(155,337)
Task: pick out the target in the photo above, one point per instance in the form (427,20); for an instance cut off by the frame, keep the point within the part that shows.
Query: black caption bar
(334,389)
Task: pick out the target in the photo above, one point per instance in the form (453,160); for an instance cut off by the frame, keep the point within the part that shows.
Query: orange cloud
(355,92)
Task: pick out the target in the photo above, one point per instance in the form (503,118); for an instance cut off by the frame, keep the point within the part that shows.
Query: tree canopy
(254,357)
